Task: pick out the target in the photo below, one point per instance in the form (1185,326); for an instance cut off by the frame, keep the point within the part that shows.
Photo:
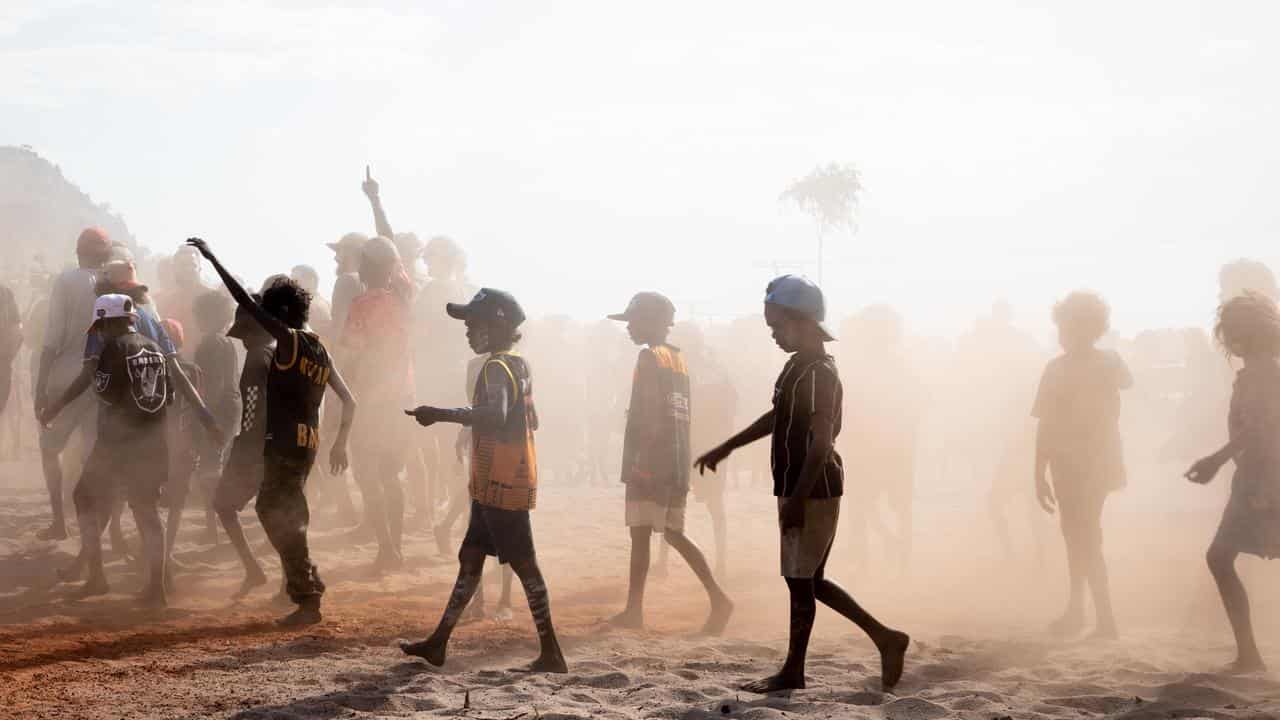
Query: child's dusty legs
(471,565)
(1235,600)
(803,610)
(1100,590)
(253,574)
(632,616)
(721,606)
(118,544)
(720,531)
(57,530)
(92,520)
(891,643)
(550,658)
(147,517)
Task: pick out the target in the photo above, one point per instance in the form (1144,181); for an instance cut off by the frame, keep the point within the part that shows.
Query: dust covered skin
(977,619)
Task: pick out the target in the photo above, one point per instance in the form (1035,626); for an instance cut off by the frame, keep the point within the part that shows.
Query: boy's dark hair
(503,333)
(1248,323)
(288,301)
(1084,311)
(213,311)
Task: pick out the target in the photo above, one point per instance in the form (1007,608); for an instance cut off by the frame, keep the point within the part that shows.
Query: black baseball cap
(648,306)
(488,304)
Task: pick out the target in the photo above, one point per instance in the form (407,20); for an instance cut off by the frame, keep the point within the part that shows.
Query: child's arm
(1044,492)
(761,428)
(490,416)
(370,187)
(79,385)
(1206,468)
(273,325)
(338,461)
(823,427)
(188,392)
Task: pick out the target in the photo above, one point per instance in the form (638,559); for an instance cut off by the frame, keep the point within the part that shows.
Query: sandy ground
(976,617)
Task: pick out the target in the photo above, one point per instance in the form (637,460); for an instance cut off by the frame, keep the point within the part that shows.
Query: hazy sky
(583,150)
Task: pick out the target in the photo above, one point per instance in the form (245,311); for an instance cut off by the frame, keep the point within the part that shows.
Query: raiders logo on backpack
(148,380)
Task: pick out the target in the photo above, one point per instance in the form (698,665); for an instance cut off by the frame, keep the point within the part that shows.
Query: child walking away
(1078,443)
(504,474)
(243,472)
(129,374)
(1248,327)
(808,478)
(655,458)
(300,372)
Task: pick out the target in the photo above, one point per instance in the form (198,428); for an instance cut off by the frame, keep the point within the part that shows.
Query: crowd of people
(420,388)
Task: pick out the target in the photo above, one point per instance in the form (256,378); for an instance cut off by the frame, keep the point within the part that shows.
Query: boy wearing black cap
(300,371)
(245,466)
(655,458)
(808,478)
(504,474)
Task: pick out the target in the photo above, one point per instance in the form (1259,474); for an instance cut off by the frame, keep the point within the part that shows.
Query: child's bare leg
(1235,600)
(1073,618)
(803,610)
(721,606)
(720,531)
(504,600)
(891,643)
(632,616)
(550,658)
(470,568)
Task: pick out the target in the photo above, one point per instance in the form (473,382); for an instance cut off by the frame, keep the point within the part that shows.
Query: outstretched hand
(369,186)
(425,415)
(1204,470)
(201,246)
(712,458)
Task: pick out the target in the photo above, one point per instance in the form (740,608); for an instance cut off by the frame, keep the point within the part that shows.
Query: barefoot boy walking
(655,458)
(504,474)
(808,478)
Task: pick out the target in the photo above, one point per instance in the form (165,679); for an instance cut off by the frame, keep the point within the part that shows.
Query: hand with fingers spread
(711,459)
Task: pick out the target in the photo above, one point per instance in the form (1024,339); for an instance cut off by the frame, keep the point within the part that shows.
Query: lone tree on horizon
(829,195)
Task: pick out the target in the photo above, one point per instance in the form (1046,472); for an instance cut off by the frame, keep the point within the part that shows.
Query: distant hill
(42,213)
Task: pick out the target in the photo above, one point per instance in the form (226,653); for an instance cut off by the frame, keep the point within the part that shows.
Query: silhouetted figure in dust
(1248,328)
(61,359)
(1078,443)
(656,458)
(808,478)
(882,425)
(10,342)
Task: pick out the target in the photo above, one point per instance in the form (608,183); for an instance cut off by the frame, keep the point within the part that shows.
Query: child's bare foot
(546,663)
(628,620)
(1244,666)
(503,613)
(893,657)
(91,588)
(431,650)
(1067,625)
(1105,633)
(721,611)
(53,532)
(784,680)
(251,581)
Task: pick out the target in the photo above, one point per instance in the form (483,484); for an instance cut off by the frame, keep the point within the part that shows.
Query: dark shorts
(504,533)
(134,473)
(240,481)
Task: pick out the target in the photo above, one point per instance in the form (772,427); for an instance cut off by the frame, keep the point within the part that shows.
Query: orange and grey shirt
(504,463)
(296,383)
(655,447)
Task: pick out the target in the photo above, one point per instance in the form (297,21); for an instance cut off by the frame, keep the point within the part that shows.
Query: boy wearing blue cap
(504,474)
(808,478)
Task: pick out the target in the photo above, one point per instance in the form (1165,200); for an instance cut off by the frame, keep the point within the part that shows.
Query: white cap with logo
(111,306)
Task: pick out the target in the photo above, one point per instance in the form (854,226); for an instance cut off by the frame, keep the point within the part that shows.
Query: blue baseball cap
(800,294)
